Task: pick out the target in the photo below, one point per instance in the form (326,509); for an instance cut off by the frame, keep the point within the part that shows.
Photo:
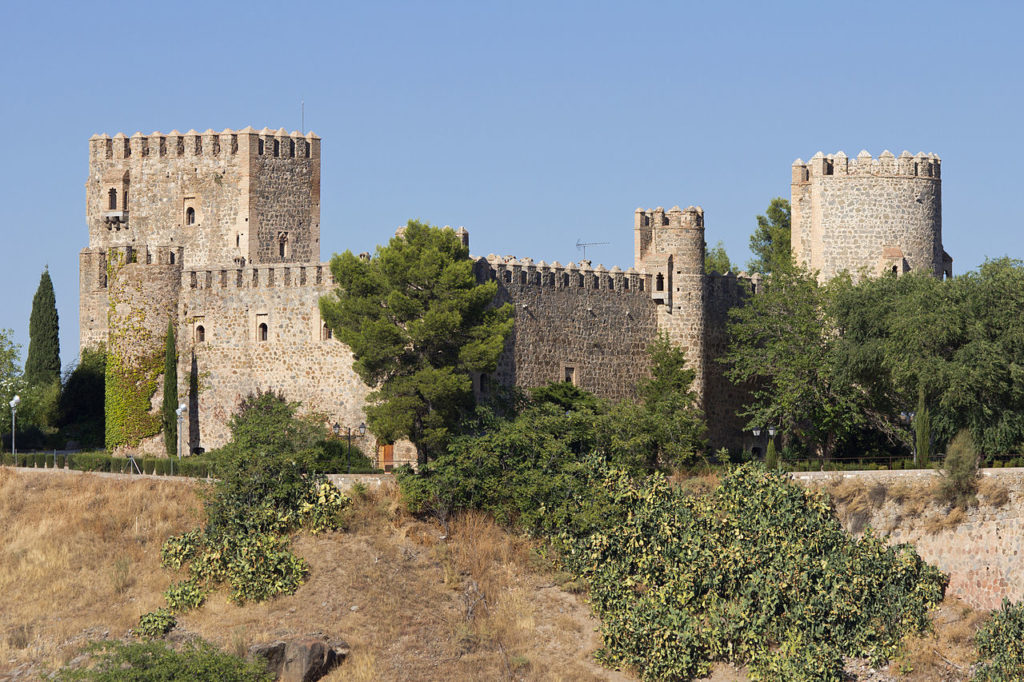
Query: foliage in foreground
(269,486)
(155,661)
(958,482)
(418,323)
(1001,645)
(759,572)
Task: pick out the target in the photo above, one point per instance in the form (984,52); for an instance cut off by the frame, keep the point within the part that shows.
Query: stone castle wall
(590,326)
(881,214)
(220,318)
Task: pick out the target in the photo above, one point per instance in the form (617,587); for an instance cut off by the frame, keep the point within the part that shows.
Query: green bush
(958,483)
(113,661)
(89,461)
(40,460)
(1001,645)
(188,594)
(155,624)
(760,572)
(148,465)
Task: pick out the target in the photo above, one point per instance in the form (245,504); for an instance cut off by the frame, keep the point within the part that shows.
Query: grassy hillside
(79,560)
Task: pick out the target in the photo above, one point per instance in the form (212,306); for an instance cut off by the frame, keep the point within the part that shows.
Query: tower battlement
(225,144)
(691,217)
(838,165)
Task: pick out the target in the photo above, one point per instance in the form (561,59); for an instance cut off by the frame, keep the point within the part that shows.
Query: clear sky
(533,124)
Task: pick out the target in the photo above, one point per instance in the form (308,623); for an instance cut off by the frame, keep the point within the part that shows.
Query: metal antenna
(580,244)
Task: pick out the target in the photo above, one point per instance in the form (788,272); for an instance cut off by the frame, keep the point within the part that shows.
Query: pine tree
(170,393)
(42,365)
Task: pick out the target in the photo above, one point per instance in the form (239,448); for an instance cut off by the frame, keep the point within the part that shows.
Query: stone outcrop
(301,659)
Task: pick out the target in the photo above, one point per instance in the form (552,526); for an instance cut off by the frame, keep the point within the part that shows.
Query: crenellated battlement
(227,143)
(258,277)
(691,217)
(525,273)
(920,165)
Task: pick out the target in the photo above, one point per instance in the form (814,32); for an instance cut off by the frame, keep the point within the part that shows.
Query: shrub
(148,465)
(155,624)
(1001,645)
(150,661)
(759,572)
(180,549)
(187,594)
(958,483)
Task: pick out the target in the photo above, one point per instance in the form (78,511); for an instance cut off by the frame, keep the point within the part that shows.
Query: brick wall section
(983,555)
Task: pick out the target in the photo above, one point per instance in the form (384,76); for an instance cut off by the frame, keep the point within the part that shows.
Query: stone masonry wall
(868,213)
(297,358)
(591,326)
(983,555)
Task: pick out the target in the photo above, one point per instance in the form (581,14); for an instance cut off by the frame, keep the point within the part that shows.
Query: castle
(218,236)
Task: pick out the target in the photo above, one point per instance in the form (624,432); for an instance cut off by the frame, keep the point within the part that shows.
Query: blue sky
(533,124)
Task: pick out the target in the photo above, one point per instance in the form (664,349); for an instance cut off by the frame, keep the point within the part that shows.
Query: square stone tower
(238,197)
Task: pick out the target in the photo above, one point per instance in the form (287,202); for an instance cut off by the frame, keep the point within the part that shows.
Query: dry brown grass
(948,651)
(79,556)
(695,484)
(993,492)
(856,500)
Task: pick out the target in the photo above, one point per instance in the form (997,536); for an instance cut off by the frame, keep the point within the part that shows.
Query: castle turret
(669,246)
(867,214)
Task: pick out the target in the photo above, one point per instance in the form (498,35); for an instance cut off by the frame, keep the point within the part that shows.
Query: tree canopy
(770,242)
(42,364)
(717,260)
(418,323)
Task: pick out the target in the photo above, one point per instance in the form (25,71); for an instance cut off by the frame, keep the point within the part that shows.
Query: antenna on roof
(583,245)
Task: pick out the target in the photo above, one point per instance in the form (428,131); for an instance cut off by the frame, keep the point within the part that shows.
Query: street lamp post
(180,412)
(14,409)
(908,419)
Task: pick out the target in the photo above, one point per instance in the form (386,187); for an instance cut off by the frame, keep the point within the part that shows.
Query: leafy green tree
(784,344)
(717,260)
(42,365)
(923,431)
(80,408)
(170,403)
(418,323)
(266,423)
(11,380)
(770,242)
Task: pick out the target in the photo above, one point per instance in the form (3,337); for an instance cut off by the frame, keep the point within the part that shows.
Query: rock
(302,659)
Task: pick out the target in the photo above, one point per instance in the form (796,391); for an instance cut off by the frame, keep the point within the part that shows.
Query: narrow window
(238,240)
(124,201)
(659,282)
(260,147)
(570,375)
(172,258)
(805,174)
(262,332)
(190,216)
(112,199)
(283,248)
(277,148)
(328,333)
(200,334)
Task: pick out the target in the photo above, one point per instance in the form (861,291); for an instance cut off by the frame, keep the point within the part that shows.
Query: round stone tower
(869,216)
(669,246)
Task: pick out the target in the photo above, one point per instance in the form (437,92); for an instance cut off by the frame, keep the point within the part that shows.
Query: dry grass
(856,499)
(695,484)
(79,556)
(993,492)
(948,651)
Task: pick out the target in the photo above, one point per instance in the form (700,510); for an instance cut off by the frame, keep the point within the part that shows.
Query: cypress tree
(923,430)
(170,393)
(42,365)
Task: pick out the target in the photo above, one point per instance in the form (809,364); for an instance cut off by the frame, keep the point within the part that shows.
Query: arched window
(190,216)
(200,334)
(112,200)
(282,245)
(262,331)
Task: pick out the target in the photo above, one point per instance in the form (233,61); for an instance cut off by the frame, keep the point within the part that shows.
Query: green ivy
(129,387)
